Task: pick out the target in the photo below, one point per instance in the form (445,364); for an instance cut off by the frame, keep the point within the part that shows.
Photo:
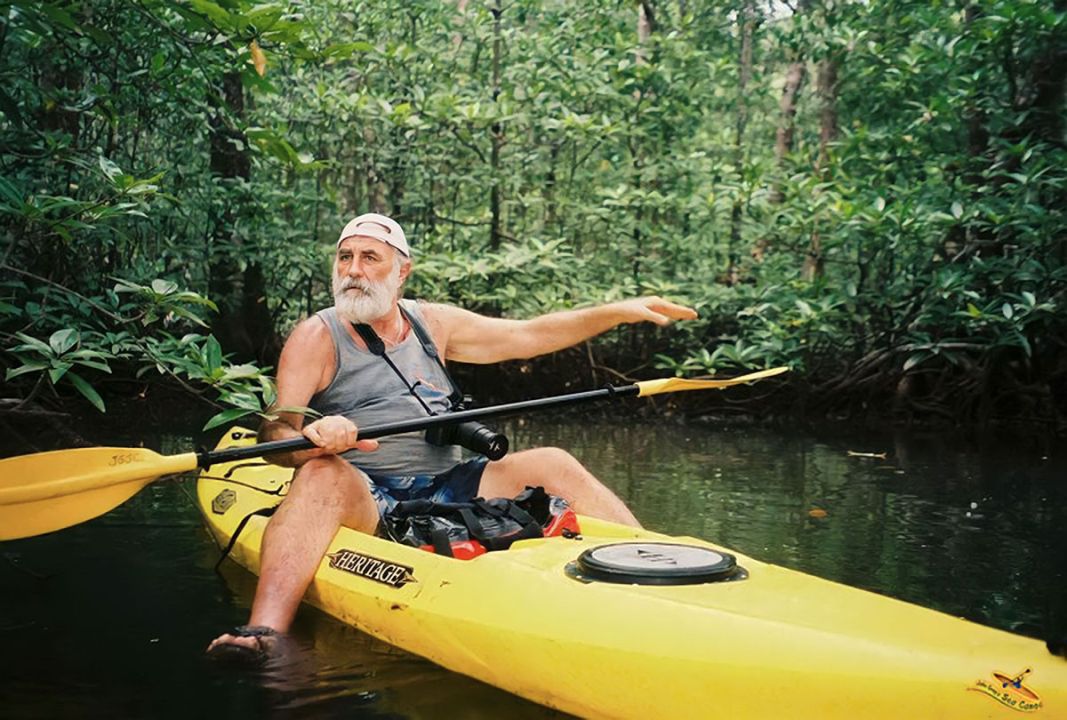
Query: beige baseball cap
(379,227)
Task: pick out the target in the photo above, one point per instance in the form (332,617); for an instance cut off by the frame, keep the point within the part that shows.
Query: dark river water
(110,619)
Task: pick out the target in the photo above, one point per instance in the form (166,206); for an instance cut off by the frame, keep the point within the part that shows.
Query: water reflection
(109,619)
(978,532)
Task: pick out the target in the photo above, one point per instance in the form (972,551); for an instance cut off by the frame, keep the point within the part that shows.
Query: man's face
(367,278)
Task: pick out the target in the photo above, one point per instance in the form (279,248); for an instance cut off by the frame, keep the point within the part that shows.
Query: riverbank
(788,401)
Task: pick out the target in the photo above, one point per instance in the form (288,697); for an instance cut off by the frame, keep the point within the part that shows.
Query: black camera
(472,435)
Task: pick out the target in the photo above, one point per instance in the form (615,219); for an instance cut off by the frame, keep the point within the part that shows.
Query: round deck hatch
(651,563)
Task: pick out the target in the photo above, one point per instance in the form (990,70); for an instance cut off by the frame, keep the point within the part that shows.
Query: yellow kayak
(597,626)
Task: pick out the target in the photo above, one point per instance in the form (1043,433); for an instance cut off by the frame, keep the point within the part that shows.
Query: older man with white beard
(326,365)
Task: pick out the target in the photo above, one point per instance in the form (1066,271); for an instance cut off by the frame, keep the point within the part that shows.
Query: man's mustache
(353,283)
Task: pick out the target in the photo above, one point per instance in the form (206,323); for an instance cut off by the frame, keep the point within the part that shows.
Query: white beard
(373,302)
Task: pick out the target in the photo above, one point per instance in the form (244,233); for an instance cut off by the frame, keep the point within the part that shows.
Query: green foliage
(545,159)
(135,326)
(163,299)
(246,388)
(55,360)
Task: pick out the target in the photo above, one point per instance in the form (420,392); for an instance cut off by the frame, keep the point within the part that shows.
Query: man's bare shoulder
(307,362)
(432,310)
(313,326)
(310,336)
(443,314)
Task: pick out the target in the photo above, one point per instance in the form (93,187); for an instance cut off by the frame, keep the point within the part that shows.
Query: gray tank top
(367,391)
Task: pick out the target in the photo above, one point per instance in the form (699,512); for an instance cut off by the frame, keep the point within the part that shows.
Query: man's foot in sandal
(247,644)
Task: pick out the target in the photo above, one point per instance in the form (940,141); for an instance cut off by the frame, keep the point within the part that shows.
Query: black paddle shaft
(206,459)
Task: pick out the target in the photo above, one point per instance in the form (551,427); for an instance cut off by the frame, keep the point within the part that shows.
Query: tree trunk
(748,25)
(457,36)
(244,326)
(549,191)
(376,196)
(963,235)
(1044,120)
(1046,86)
(496,137)
(783,143)
(787,106)
(826,89)
(646,25)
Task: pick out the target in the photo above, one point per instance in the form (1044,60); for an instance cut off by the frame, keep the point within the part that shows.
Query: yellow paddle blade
(50,491)
(669,385)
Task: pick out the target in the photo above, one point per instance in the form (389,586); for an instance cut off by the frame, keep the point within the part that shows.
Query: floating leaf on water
(877,456)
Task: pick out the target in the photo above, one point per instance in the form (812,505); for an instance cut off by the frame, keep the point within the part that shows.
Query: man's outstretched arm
(469,337)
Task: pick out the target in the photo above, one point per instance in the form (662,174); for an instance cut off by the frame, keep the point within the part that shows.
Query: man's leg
(560,474)
(326,493)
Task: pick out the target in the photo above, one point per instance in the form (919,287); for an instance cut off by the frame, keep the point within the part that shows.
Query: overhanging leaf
(227,416)
(87,391)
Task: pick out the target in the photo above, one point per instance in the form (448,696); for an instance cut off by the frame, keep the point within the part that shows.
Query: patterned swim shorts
(457,484)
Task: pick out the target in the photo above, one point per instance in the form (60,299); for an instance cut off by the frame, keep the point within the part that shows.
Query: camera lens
(478,438)
(472,435)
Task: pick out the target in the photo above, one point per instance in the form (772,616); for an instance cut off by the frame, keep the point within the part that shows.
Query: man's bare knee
(555,469)
(320,477)
(543,459)
(559,457)
(331,484)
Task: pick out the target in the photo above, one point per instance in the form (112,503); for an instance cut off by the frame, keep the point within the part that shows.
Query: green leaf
(58,371)
(973,311)
(35,344)
(164,287)
(342,51)
(58,15)
(63,340)
(227,416)
(244,400)
(96,365)
(957,210)
(125,286)
(297,410)
(212,354)
(110,169)
(240,372)
(87,391)
(10,192)
(915,360)
(1025,344)
(220,17)
(28,367)
(1008,311)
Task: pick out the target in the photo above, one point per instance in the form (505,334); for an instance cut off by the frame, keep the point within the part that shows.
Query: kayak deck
(776,643)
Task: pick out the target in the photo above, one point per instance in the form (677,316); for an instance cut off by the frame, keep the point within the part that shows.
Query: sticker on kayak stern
(1010,691)
(372,568)
(223,501)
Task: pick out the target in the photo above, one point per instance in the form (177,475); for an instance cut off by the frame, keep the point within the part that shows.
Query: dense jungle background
(871,192)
